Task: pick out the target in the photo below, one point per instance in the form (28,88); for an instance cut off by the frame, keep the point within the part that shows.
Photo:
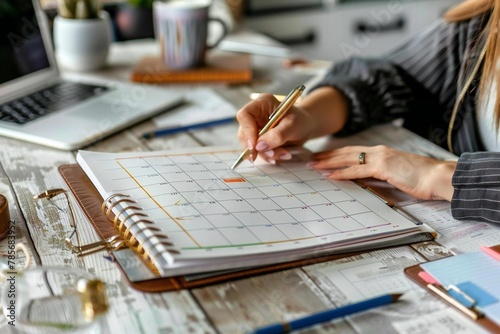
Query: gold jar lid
(4,217)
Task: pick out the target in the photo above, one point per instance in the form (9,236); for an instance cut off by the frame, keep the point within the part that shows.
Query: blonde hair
(467,10)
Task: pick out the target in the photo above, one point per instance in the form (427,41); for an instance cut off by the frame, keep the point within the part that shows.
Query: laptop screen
(22,49)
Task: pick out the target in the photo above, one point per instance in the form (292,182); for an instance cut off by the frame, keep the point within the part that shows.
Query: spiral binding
(119,220)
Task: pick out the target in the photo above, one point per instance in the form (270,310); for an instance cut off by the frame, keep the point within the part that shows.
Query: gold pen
(280,98)
(274,118)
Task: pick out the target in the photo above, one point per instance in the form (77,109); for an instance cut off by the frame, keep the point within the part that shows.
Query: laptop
(37,105)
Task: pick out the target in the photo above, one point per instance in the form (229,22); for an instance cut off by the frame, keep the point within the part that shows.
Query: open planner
(187,212)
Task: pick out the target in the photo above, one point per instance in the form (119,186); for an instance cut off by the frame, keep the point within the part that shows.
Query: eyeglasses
(73,242)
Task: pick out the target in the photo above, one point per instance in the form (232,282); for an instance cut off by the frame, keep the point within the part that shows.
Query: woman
(443,83)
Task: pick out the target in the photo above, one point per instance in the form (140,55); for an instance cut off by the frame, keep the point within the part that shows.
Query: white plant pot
(82,44)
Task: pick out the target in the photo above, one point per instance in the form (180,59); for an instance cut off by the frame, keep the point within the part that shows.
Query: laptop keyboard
(46,101)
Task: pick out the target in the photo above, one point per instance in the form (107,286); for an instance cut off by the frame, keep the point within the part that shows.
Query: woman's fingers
(416,175)
(346,156)
(276,154)
(253,116)
(293,129)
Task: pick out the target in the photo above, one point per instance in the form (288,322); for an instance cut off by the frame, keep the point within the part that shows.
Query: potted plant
(82,34)
(134,20)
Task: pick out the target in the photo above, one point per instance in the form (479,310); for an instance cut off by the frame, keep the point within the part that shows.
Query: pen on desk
(172,130)
(274,118)
(327,315)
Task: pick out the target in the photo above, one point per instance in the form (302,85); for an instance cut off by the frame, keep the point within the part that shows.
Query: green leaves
(79,9)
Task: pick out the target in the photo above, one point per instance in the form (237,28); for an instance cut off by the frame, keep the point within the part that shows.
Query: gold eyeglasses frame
(112,243)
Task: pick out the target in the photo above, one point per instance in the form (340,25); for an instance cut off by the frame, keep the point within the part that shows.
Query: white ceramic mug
(181,27)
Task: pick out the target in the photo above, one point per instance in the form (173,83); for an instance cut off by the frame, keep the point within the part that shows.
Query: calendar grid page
(208,210)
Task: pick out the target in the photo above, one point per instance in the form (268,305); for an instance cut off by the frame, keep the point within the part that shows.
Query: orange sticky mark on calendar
(234,179)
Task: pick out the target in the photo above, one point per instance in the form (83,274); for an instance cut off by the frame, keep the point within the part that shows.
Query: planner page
(209,211)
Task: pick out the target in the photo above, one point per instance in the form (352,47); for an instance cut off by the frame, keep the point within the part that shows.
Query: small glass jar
(53,300)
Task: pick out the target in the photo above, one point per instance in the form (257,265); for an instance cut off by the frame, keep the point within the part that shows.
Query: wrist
(308,124)
(327,108)
(442,180)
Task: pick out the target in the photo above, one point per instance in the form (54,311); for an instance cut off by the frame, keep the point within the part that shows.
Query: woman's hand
(293,129)
(322,112)
(419,176)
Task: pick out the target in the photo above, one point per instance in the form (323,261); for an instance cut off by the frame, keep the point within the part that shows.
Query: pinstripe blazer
(420,82)
(477,187)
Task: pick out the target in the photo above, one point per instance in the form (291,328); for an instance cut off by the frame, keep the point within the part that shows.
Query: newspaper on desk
(368,275)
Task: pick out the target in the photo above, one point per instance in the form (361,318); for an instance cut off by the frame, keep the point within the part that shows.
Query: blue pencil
(172,130)
(327,315)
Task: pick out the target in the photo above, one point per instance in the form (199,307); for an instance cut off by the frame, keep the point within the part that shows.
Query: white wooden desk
(237,306)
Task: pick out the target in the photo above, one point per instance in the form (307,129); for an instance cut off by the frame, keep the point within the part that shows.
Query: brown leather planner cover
(91,202)
(413,271)
(219,67)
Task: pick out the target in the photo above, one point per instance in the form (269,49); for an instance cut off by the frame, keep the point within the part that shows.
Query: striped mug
(182,29)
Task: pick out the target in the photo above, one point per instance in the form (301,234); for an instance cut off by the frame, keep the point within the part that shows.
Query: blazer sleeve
(415,81)
(477,187)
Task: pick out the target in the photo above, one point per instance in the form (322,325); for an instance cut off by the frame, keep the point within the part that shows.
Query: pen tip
(396,296)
